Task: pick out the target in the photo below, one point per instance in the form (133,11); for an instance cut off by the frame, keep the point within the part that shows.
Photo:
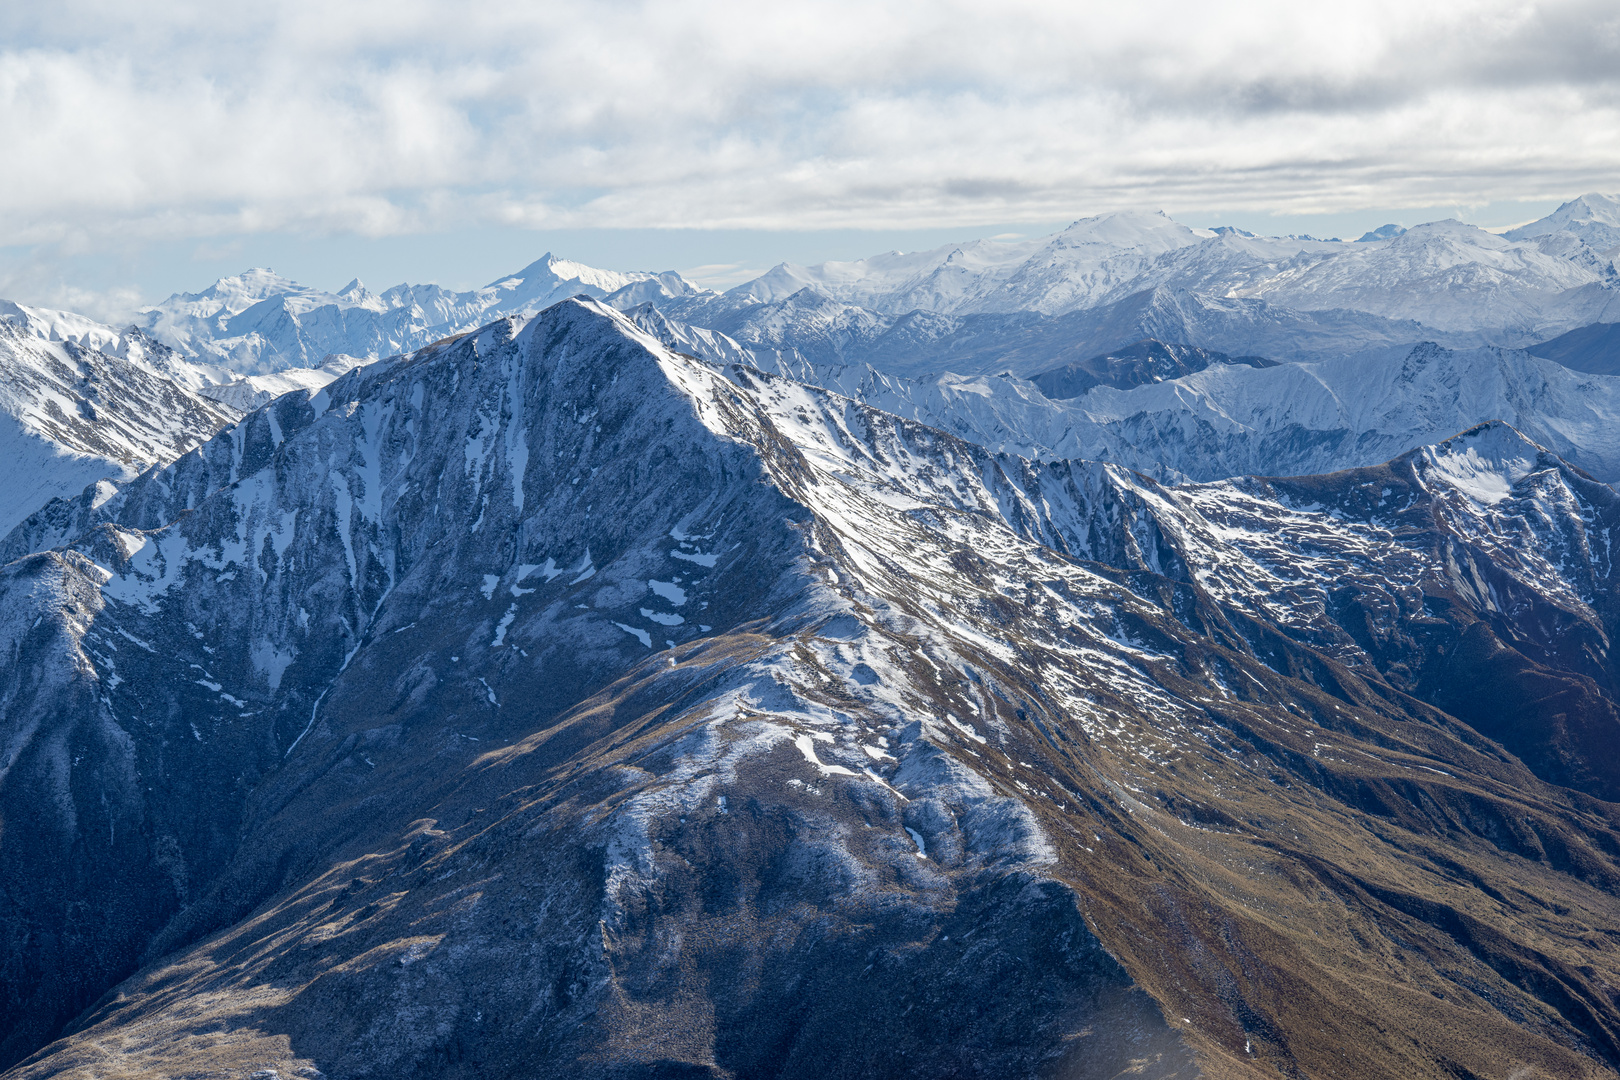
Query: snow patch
(640,635)
(807,747)
(669,591)
(501,627)
(271,661)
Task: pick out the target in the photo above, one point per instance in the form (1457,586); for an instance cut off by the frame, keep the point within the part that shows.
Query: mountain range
(1137,275)
(1143,651)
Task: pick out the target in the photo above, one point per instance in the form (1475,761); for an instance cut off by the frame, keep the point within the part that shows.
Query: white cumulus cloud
(141,119)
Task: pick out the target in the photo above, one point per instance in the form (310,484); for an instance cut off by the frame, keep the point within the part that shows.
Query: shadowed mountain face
(548,703)
(1147,361)
(1593,349)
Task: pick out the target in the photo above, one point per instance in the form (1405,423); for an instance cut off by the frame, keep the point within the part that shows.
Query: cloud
(722,275)
(161,120)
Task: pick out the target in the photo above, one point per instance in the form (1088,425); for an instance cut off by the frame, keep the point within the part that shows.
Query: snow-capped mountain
(1532,283)
(1075,268)
(260,323)
(1108,281)
(984,306)
(1446,275)
(1177,412)
(82,404)
(1592,219)
(247,392)
(1234,419)
(824,331)
(551,702)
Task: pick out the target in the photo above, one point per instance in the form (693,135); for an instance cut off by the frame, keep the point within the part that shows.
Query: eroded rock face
(548,703)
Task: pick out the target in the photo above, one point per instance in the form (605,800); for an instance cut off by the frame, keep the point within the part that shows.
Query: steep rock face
(319,536)
(77,408)
(1476,574)
(621,715)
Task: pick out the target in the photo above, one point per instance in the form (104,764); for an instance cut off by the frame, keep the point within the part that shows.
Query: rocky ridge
(549,701)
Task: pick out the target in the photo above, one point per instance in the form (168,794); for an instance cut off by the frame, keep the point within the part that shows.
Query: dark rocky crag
(1138,364)
(547,703)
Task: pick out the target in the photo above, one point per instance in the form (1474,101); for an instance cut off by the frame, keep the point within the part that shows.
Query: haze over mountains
(1142,651)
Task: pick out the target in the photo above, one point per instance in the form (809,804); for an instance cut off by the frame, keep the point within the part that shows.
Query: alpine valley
(1139,652)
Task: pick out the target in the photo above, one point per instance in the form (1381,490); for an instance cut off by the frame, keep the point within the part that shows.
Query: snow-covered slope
(248,392)
(1593,219)
(1442,274)
(1442,278)
(604,712)
(827,331)
(1453,277)
(1283,420)
(81,403)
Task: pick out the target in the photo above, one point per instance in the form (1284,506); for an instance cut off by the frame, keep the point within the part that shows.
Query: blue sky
(155,146)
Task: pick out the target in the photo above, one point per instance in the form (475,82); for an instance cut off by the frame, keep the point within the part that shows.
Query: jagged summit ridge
(301,528)
(564,638)
(259,323)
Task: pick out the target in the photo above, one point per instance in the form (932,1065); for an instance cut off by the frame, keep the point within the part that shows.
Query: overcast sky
(150,146)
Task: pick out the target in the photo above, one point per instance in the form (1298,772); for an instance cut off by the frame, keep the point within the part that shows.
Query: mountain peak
(1383,232)
(1593,206)
(258,282)
(1593,217)
(1486,461)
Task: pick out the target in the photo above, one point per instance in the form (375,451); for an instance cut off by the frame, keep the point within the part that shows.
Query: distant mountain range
(1100,284)
(259,323)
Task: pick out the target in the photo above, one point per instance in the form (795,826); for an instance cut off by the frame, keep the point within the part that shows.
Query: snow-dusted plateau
(1137,652)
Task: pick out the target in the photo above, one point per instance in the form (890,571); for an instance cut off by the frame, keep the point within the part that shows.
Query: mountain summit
(550,702)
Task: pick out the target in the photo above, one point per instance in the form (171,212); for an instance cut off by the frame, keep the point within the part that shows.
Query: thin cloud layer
(142,120)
